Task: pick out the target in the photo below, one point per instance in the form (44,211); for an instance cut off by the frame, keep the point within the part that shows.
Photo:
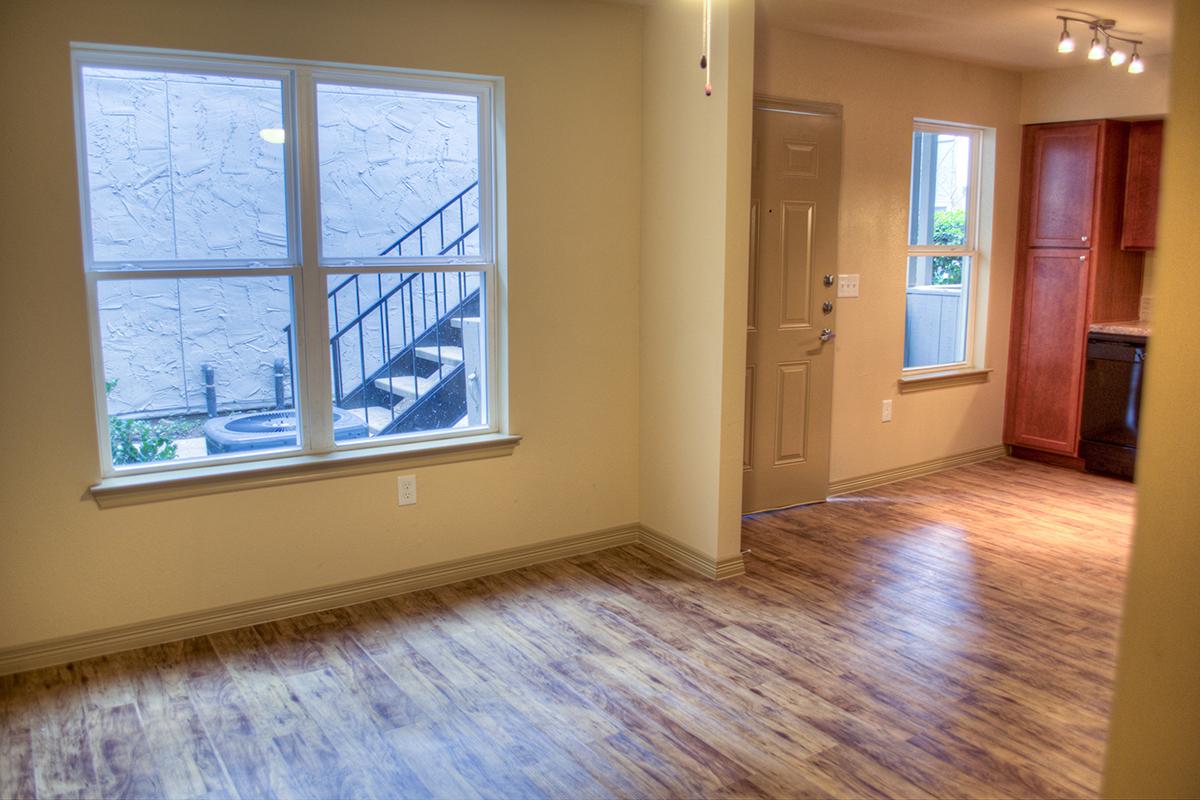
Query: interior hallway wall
(695,245)
(1095,91)
(1154,740)
(881,92)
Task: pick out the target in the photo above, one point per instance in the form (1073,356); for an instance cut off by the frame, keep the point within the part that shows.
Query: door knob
(827,334)
(829,280)
(827,306)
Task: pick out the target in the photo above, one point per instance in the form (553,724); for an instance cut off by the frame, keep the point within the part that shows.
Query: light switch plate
(847,286)
(1147,306)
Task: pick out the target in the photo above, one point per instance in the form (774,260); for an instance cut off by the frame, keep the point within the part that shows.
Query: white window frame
(969,249)
(304,265)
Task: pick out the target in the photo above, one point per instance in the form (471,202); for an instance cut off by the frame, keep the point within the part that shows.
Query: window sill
(936,380)
(131,490)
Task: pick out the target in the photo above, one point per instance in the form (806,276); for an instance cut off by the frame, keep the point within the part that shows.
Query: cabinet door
(1063,185)
(1141,186)
(1051,341)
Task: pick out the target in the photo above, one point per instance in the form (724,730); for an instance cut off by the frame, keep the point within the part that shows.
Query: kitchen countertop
(1134,327)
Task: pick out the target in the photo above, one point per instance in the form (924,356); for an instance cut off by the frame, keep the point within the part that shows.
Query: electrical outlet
(885,415)
(847,286)
(406,488)
(1146,307)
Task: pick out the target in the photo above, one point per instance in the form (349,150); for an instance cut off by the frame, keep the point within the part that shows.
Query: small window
(195,173)
(943,246)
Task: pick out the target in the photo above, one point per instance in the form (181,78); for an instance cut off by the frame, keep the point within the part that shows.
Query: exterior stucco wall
(179,170)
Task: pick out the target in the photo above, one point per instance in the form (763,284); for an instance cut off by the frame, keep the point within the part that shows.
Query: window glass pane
(184,166)
(408,353)
(399,172)
(941,189)
(937,310)
(197,367)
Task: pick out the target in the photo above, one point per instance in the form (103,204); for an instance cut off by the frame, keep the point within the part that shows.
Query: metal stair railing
(418,230)
(409,332)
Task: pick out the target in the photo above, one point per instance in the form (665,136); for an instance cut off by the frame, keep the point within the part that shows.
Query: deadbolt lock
(829,280)
(827,306)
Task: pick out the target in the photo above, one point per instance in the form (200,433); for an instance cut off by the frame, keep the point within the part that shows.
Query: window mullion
(312,312)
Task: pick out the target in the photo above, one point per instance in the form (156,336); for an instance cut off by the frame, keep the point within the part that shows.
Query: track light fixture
(1136,65)
(1065,43)
(1101,46)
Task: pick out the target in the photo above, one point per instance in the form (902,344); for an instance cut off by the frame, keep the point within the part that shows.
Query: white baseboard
(183,626)
(916,470)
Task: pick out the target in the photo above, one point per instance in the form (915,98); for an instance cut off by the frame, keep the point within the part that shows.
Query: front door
(793,277)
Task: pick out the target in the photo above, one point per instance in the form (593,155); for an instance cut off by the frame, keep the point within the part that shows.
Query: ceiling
(1015,34)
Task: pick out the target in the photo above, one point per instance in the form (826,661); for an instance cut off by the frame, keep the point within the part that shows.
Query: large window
(943,246)
(284,258)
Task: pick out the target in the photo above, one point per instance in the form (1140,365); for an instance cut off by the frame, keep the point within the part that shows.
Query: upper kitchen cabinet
(1062,160)
(1141,185)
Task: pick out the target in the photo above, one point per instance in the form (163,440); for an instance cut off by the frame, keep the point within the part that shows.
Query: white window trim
(307,270)
(972,248)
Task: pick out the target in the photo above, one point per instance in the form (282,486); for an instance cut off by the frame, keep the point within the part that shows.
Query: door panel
(789,390)
(1050,370)
(797,263)
(1141,185)
(791,408)
(748,439)
(752,299)
(1064,171)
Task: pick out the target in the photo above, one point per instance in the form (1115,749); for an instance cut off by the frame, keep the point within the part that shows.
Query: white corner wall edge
(184,626)
(916,470)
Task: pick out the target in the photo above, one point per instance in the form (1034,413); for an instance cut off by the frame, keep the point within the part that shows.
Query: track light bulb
(1096,51)
(1136,65)
(1065,43)
(1116,57)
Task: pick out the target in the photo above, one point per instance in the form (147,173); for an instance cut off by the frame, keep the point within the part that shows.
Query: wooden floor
(951,636)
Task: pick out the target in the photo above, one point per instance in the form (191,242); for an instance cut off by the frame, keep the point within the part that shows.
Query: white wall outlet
(406,489)
(847,286)
(1146,307)
(885,414)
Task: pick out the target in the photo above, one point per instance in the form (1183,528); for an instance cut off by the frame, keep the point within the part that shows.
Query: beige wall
(573,73)
(1095,91)
(1154,741)
(695,229)
(881,92)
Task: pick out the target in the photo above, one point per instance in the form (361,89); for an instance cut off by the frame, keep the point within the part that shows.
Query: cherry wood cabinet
(1140,228)
(1064,172)
(1052,338)
(1070,272)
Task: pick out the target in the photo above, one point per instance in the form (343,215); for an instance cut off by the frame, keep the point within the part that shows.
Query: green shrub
(137,441)
(949,227)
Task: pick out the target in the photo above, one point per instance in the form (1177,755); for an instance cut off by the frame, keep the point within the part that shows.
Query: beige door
(793,277)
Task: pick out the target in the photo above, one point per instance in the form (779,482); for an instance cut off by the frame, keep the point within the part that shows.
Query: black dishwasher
(1112,399)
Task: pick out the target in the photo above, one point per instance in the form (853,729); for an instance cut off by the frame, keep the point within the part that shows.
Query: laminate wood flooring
(947,636)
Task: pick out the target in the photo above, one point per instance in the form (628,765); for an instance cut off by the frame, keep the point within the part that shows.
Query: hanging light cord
(706,47)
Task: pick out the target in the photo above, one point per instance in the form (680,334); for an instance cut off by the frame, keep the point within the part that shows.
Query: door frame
(786,105)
